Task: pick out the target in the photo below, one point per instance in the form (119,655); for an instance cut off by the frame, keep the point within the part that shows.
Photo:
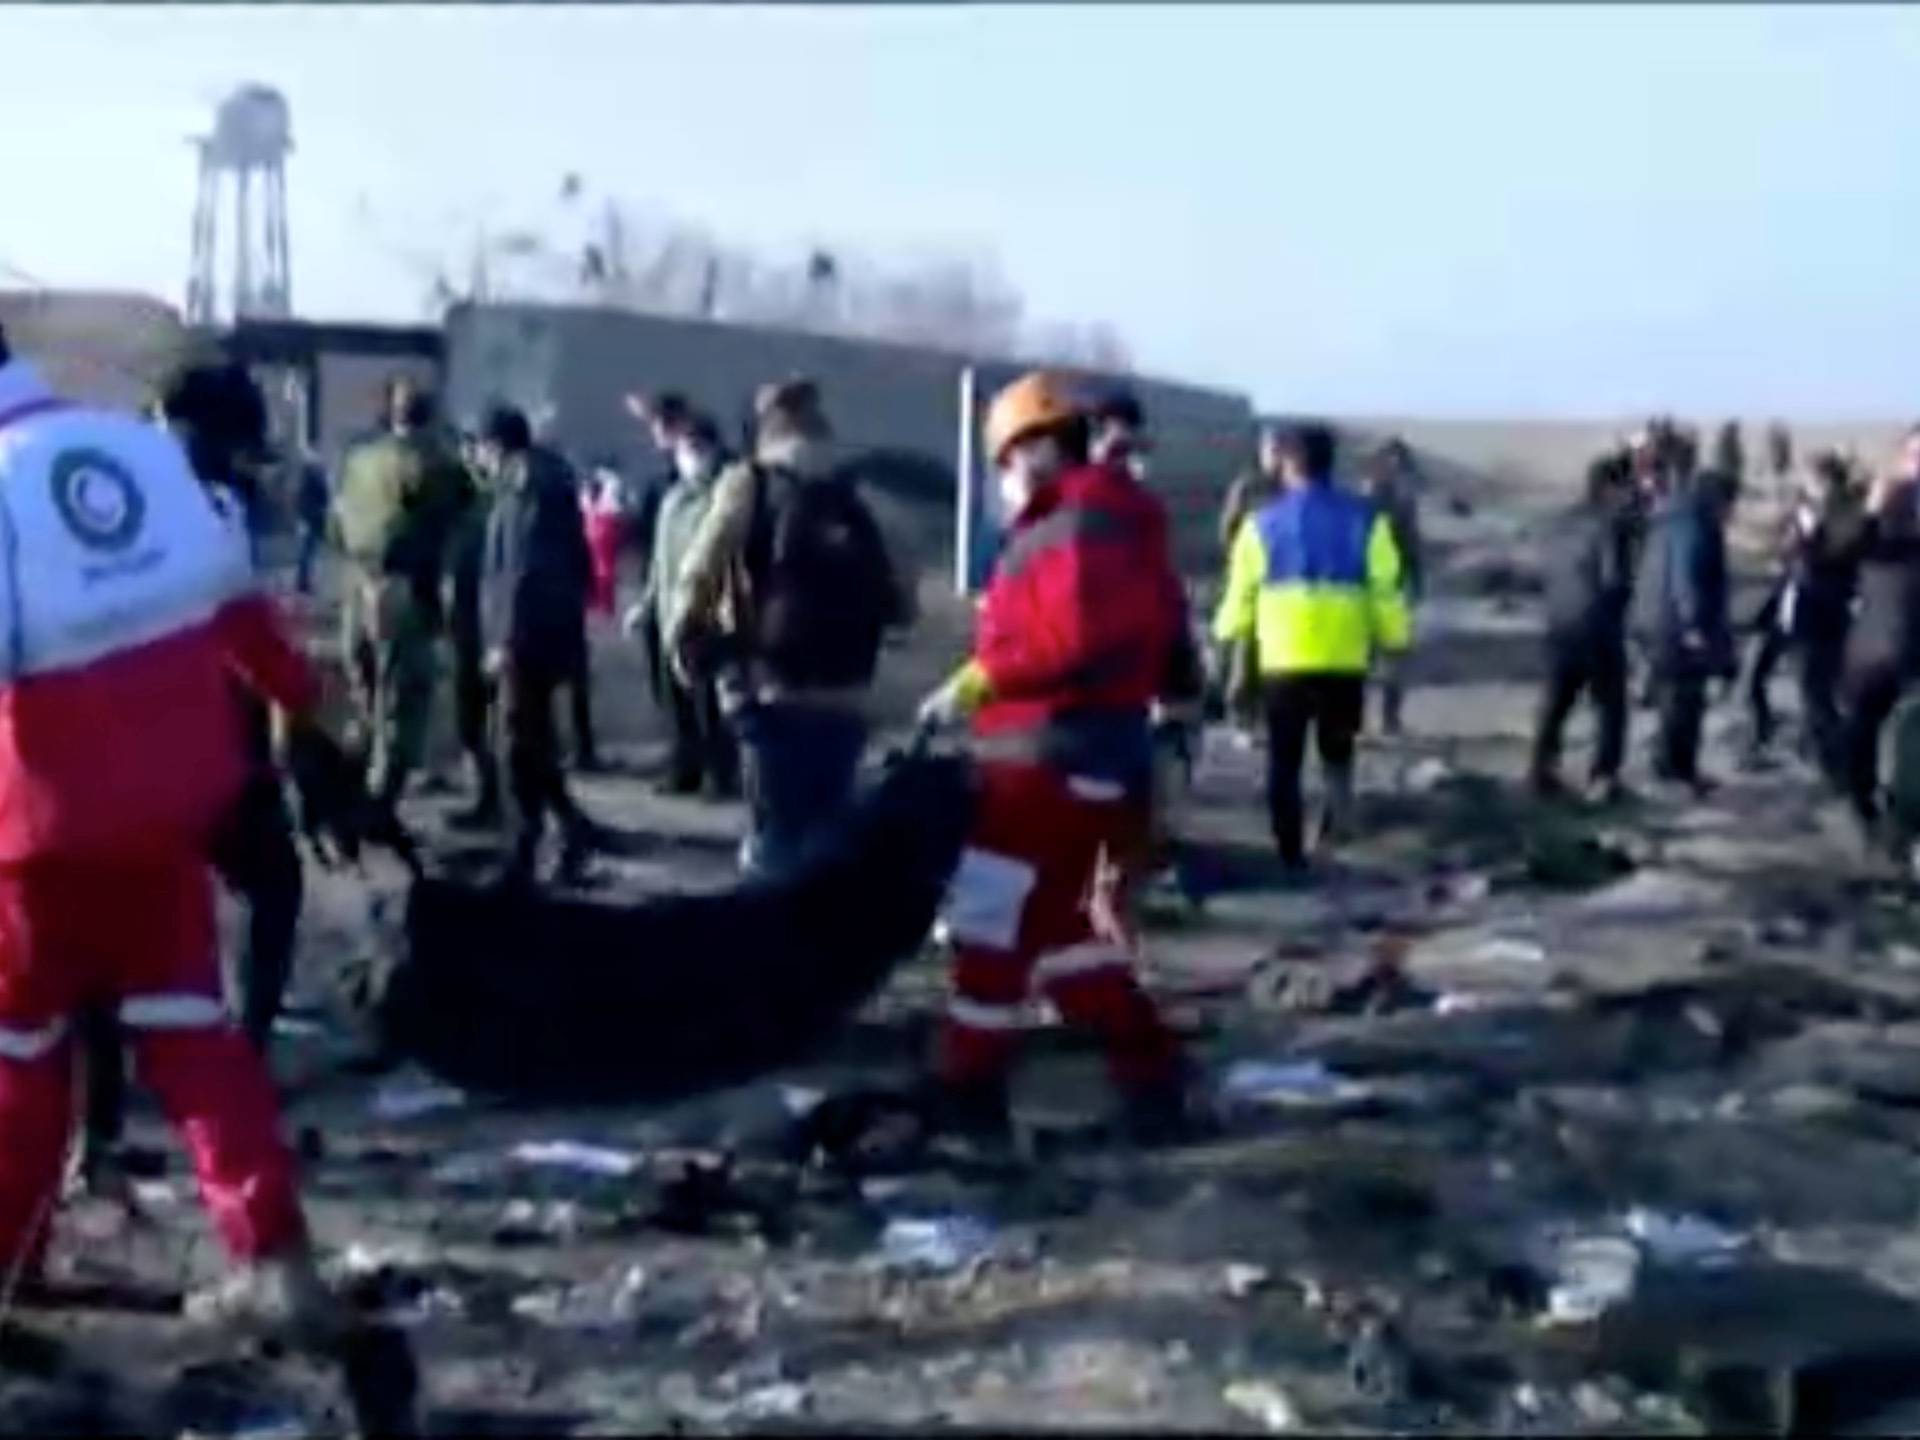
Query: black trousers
(1872,693)
(536,781)
(1767,654)
(1819,655)
(1681,695)
(256,858)
(1583,665)
(473,705)
(1331,706)
(704,748)
(580,696)
(659,672)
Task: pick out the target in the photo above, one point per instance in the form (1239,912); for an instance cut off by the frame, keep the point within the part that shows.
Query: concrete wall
(576,365)
(107,348)
(351,389)
(573,366)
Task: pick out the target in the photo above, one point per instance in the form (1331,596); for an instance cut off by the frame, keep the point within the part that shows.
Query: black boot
(575,870)
(1392,698)
(517,872)
(486,812)
(1336,815)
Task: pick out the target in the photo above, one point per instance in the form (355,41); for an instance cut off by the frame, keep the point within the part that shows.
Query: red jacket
(126,608)
(1084,608)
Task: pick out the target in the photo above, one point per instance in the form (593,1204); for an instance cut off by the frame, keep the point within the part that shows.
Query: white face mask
(1027,465)
(1015,489)
(692,464)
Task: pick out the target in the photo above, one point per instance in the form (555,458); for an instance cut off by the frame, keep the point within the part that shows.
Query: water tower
(247,151)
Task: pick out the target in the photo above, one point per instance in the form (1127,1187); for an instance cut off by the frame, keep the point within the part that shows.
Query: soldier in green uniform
(400,494)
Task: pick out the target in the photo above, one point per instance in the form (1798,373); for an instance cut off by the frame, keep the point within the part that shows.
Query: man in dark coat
(1883,647)
(1680,616)
(533,588)
(1810,608)
(1589,576)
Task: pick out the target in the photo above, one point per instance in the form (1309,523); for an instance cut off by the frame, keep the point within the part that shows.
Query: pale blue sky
(1422,210)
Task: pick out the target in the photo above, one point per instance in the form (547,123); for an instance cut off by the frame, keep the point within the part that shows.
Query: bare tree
(961,303)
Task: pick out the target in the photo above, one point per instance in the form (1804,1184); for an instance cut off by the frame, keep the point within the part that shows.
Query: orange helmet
(1038,400)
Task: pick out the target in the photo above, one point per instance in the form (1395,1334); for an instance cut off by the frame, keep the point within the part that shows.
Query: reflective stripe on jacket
(127,606)
(1077,624)
(1315,580)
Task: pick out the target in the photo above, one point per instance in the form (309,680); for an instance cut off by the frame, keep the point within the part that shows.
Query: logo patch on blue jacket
(97,500)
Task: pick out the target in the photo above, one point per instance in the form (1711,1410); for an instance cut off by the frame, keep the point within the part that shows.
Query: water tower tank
(253,127)
(245,156)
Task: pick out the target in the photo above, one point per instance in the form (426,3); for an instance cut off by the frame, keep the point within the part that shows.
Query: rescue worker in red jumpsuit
(128,605)
(1073,640)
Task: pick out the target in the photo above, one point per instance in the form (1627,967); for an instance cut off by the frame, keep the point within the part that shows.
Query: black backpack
(824,590)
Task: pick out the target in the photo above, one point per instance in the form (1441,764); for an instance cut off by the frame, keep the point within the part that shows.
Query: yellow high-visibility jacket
(1315,580)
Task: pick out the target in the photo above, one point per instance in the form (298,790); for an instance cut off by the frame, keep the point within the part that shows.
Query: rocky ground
(1540,1120)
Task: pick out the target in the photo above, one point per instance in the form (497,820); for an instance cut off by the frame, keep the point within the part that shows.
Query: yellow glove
(965,692)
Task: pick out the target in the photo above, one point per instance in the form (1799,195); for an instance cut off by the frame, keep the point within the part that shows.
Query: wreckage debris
(938,1244)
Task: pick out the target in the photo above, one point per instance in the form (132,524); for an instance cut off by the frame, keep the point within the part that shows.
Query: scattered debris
(940,1243)
(799,1100)
(1376,984)
(594,1305)
(1379,1369)
(707,1198)
(525,1222)
(1459,890)
(861,1132)
(408,1097)
(1302,1082)
(1264,1402)
(1511,950)
(469,1170)
(1556,860)
(1242,1280)
(1464,1002)
(598,1160)
(1683,1239)
(780,1401)
(1594,1273)
(1454,1219)
(271,1425)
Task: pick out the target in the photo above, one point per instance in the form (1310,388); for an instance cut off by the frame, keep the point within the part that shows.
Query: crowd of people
(157,707)
(1321,584)
(765,588)
(1638,570)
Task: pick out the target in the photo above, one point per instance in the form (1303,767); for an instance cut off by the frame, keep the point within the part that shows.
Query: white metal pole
(967,491)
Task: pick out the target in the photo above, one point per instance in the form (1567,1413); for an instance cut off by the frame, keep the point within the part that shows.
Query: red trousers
(1020,916)
(137,934)
(605,534)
